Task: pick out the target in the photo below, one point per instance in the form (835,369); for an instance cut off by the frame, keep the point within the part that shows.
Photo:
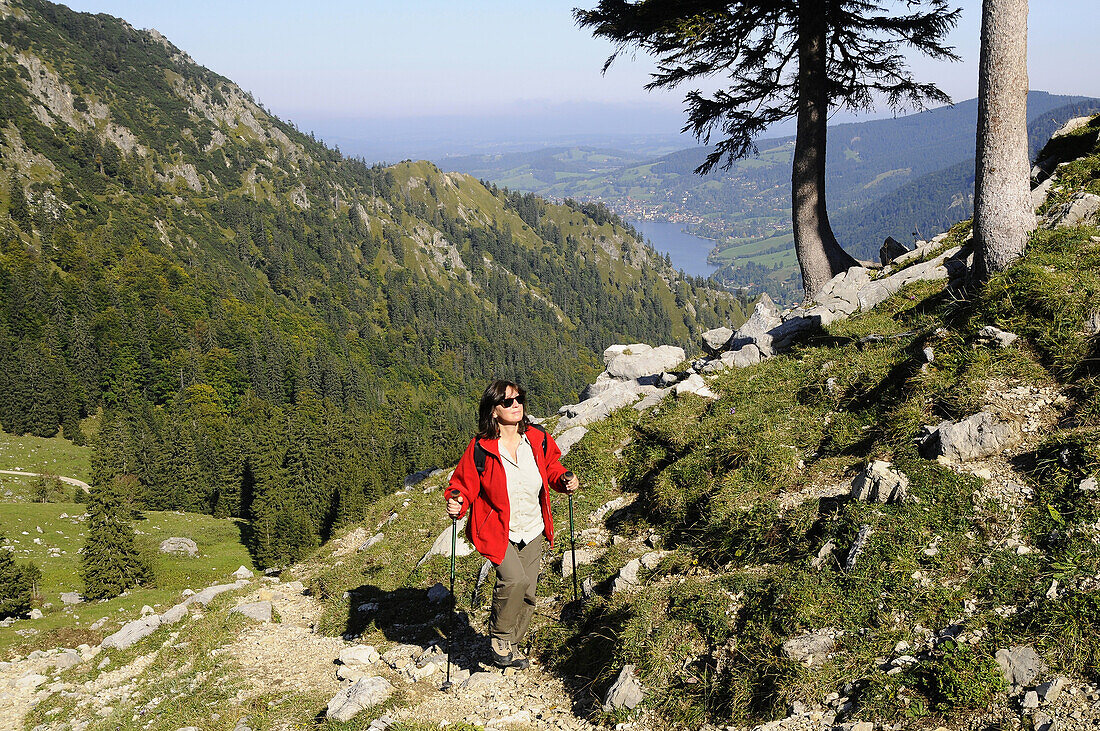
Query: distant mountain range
(887,177)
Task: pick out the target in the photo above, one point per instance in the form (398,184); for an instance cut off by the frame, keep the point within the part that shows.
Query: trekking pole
(452,494)
(572,537)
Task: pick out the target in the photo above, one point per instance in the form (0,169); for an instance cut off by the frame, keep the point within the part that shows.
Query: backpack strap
(479,456)
(545,441)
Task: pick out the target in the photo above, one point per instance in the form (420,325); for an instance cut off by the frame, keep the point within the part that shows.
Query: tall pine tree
(110,561)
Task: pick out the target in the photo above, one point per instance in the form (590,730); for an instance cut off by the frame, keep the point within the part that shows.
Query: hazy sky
(363,59)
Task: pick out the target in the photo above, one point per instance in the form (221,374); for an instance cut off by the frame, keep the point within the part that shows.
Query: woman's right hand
(454,504)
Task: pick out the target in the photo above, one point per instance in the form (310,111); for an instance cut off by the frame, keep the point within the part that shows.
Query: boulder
(174,614)
(1021,666)
(694,384)
(371,542)
(891,249)
(757,330)
(650,362)
(71,597)
(625,692)
(597,408)
(811,648)
(363,694)
(442,544)
(996,337)
(880,483)
(715,341)
(418,477)
(35,613)
(179,546)
(1040,192)
(613,351)
(131,632)
(627,577)
(242,573)
(976,436)
(1080,209)
(569,437)
(359,655)
(259,611)
(1072,126)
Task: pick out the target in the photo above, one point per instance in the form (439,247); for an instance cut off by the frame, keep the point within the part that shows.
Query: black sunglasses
(507,403)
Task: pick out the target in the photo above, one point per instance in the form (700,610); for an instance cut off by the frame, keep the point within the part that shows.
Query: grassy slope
(220,552)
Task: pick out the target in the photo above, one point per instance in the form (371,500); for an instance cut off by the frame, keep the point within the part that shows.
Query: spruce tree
(111,562)
(16,585)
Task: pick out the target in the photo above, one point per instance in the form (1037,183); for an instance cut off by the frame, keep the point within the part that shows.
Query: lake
(688,252)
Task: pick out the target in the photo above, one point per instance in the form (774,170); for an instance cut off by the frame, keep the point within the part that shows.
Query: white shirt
(524,485)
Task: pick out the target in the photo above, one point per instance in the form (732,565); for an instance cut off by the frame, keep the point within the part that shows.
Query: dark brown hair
(487,425)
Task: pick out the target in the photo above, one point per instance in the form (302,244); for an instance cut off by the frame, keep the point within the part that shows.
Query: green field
(62,529)
(55,455)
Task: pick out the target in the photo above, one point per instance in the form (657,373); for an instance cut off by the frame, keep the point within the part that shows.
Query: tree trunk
(819,255)
(1003,213)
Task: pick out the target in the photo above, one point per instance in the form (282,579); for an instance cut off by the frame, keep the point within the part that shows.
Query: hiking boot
(502,653)
(508,655)
(519,660)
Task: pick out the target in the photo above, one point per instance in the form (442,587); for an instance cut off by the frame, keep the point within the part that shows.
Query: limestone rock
(715,341)
(1049,691)
(757,330)
(696,385)
(629,364)
(880,483)
(627,577)
(363,694)
(442,544)
(207,595)
(371,542)
(1072,126)
(242,573)
(174,614)
(811,648)
(179,546)
(996,337)
(71,597)
(359,655)
(599,407)
(584,556)
(569,437)
(1079,209)
(259,611)
(131,632)
(976,436)
(1021,666)
(625,692)
(35,613)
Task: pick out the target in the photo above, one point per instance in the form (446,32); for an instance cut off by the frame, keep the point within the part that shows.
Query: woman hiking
(504,479)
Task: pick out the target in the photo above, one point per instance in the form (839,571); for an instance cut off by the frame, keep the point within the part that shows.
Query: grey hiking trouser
(514,593)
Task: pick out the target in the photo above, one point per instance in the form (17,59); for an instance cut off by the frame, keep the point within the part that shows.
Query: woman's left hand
(572,485)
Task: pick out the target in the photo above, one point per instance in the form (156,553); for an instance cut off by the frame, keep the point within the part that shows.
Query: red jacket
(486,495)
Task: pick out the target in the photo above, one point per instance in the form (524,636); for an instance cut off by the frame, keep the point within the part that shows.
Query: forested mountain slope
(274,330)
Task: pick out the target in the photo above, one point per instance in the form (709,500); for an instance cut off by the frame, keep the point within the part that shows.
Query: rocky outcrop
(977,436)
(362,694)
(442,544)
(1080,209)
(880,483)
(625,692)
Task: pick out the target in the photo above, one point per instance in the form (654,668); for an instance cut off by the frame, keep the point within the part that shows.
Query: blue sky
(329,61)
